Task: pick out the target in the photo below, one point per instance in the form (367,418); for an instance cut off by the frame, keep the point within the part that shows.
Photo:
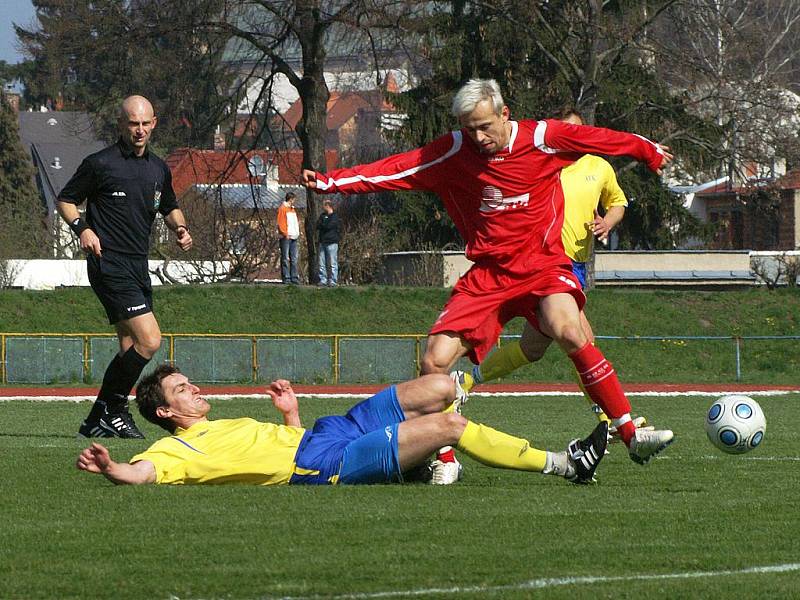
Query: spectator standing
(328,232)
(289,229)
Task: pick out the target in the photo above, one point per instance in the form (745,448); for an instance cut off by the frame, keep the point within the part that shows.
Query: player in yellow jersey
(587,182)
(377,441)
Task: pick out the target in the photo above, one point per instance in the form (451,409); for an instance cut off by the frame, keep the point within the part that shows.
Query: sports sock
(596,410)
(506,359)
(558,464)
(120,377)
(600,381)
(446,454)
(498,449)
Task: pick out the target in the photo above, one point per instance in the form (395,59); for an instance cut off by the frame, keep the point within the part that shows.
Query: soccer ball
(735,424)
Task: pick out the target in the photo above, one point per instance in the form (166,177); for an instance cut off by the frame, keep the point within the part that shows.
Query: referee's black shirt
(123,192)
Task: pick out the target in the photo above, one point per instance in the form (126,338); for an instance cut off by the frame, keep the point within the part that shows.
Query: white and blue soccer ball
(735,424)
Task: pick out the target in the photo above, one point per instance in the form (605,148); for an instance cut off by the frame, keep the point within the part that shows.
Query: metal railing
(50,358)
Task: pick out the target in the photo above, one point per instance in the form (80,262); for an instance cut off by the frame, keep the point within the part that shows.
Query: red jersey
(507,206)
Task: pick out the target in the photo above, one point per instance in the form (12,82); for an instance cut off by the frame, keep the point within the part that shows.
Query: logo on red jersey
(568,281)
(492,200)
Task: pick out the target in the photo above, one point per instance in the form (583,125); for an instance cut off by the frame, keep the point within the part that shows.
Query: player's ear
(163,412)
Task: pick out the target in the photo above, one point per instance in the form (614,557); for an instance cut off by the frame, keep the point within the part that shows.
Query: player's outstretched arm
(420,169)
(553,135)
(96,459)
(284,399)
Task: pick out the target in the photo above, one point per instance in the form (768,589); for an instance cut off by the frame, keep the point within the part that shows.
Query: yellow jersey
(585,182)
(226,451)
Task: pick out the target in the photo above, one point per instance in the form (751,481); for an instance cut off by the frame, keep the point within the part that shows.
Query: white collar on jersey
(513,136)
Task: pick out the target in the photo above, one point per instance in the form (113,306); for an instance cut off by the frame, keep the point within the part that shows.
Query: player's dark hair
(150,395)
(568,111)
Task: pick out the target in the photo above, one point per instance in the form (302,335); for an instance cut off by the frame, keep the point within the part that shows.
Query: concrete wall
(50,274)
(400,266)
(686,260)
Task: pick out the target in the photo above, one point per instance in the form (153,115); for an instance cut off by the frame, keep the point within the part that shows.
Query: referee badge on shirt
(157,197)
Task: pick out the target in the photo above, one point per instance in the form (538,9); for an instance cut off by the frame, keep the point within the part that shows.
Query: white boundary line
(536,584)
(669,394)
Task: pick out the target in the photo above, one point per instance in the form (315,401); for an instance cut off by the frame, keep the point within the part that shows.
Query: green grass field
(693,524)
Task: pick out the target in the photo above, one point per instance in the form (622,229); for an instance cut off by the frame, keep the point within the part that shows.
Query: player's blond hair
(475,91)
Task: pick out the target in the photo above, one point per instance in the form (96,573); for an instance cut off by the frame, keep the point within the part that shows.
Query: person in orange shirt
(289,230)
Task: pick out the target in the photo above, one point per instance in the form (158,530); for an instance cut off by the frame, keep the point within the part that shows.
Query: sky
(20,12)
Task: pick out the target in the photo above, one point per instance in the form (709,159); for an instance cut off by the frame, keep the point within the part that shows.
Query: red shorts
(484,300)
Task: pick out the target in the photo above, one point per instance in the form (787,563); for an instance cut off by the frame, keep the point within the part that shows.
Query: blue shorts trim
(579,269)
(359,447)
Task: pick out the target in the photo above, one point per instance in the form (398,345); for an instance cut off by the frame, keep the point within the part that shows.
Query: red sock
(447,455)
(602,384)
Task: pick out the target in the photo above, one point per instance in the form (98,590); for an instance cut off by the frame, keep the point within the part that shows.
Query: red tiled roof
(191,166)
(290,164)
(342,106)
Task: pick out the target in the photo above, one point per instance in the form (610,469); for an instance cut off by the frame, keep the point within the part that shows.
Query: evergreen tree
(21,212)
(90,54)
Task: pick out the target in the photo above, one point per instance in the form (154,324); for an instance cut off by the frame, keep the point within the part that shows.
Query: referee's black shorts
(122,284)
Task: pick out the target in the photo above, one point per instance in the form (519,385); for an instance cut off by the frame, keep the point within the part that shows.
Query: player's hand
(90,242)
(95,459)
(309,179)
(667,158)
(285,401)
(184,238)
(600,228)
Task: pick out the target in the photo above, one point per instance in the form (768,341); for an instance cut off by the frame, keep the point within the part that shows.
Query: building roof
(343,106)
(192,166)
(251,197)
(57,142)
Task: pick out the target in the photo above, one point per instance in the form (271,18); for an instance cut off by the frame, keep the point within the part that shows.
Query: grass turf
(68,534)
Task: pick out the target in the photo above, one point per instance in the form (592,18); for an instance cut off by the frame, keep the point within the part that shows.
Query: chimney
(219,140)
(56,164)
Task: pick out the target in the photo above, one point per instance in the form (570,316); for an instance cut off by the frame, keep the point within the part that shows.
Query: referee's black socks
(120,377)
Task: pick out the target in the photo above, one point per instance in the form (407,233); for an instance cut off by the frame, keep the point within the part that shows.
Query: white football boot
(445,473)
(646,444)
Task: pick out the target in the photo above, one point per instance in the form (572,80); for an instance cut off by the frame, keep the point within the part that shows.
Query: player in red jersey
(499,181)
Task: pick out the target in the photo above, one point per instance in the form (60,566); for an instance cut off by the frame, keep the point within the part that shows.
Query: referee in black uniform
(124,186)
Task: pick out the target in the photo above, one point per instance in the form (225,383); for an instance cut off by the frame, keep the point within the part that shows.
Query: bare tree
(736,61)
(276,41)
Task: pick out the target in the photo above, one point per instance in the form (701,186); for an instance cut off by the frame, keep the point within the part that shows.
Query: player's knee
(431,363)
(452,426)
(442,388)
(148,345)
(571,336)
(532,352)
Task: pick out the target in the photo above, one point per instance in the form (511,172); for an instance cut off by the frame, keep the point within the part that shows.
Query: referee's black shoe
(116,424)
